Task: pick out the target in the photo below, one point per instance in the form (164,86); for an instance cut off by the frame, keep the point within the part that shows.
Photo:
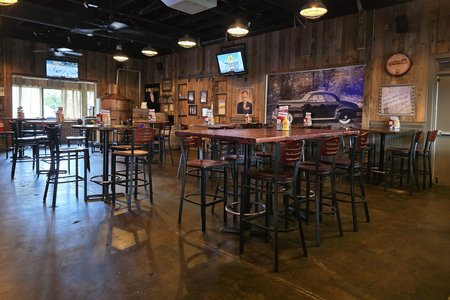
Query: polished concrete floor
(90,251)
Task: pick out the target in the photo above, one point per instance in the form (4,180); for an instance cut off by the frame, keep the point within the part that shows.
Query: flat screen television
(232,62)
(61,69)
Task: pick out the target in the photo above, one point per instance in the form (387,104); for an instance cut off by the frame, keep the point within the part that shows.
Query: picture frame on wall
(166,85)
(245,104)
(191,96)
(397,99)
(204,97)
(192,110)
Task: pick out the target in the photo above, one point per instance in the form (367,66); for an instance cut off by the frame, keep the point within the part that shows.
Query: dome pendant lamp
(313,10)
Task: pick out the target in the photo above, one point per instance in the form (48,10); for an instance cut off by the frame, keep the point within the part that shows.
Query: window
(41,98)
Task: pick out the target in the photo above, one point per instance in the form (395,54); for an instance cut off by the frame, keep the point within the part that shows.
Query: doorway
(441,122)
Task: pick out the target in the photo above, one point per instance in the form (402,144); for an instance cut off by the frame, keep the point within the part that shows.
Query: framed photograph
(166,85)
(205,111)
(397,99)
(191,96)
(245,103)
(192,110)
(203,96)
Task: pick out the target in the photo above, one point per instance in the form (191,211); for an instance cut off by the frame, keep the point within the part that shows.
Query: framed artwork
(205,111)
(245,103)
(397,99)
(191,96)
(203,96)
(192,110)
(298,88)
(167,85)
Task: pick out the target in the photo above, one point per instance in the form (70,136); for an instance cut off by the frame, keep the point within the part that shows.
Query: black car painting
(323,106)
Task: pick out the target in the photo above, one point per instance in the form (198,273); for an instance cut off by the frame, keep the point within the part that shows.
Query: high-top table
(250,137)
(382,132)
(104,138)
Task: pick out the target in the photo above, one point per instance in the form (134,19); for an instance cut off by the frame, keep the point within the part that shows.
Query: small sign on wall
(397,99)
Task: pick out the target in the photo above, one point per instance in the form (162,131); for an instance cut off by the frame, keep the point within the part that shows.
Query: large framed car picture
(332,96)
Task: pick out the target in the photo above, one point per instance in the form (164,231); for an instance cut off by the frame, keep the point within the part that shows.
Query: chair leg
(150,180)
(14,161)
(183,188)
(352,195)
(203,198)
(113,180)
(55,187)
(363,198)
(85,165)
(180,165)
(335,204)
(430,173)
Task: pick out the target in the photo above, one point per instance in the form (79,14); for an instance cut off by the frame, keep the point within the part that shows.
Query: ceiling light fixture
(187,42)
(119,55)
(149,51)
(7,2)
(87,4)
(237,29)
(313,9)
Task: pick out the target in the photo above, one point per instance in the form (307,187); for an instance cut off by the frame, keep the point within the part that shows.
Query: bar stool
(425,155)
(19,144)
(268,182)
(320,168)
(351,166)
(199,168)
(5,135)
(410,155)
(56,155)
(133,155)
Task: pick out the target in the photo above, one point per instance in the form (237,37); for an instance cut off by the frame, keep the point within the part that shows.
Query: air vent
(190,6)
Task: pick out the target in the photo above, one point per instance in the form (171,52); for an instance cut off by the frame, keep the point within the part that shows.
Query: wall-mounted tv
(61,69)
(232,62)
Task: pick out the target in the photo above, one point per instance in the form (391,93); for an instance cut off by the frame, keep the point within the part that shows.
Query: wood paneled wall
(367,38)
(19,58)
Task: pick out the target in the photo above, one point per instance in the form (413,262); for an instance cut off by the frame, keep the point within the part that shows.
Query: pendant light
(119,55)
(187,42)
(7,2)
(313,9)
(237,29)
(149,51)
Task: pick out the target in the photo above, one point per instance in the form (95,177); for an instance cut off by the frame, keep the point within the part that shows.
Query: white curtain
(76,97)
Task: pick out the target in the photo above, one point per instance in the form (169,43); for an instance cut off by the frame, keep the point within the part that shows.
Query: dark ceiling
(64,23)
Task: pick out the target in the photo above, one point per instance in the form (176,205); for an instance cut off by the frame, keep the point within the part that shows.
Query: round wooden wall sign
(398,64)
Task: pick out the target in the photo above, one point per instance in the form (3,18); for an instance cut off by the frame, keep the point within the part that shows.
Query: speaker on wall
(159,66)
(401,24)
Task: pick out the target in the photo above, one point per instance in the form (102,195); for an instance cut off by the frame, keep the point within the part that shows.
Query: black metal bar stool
(410,155)
(316,171)
(351,167)
(140,151)
(200,168)
(56,155)
(268,182)
(425,155)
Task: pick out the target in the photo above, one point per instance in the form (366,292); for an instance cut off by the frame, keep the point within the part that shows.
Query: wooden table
(382,132)
(250,137)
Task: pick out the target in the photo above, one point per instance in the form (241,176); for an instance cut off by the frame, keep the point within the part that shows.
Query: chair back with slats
(431,138)
(53,135)
(290,152)
(190,143)
(329,146)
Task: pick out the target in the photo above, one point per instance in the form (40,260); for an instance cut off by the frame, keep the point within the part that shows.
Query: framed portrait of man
(244,103)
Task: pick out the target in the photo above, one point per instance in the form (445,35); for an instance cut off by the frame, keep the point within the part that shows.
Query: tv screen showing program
(231,63)
(61,69)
